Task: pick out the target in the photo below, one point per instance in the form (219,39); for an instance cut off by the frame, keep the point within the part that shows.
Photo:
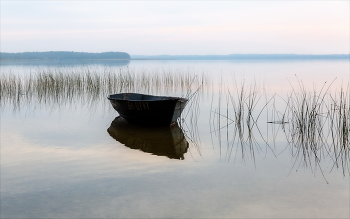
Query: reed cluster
(315,123)
(235,116)
(55,86)
(319,126)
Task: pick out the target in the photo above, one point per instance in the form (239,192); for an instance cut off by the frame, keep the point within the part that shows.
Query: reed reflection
(314,125)
(161,141)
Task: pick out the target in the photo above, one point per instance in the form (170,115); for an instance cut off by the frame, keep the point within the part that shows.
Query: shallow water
(66,161)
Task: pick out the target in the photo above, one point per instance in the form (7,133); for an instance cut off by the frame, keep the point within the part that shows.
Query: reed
(237,114)
(339,126)
(315,122)
(59,88)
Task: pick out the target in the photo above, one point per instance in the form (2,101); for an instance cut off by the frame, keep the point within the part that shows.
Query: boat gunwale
(165,98)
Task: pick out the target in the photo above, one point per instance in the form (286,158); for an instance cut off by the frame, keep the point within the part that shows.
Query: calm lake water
(68,159)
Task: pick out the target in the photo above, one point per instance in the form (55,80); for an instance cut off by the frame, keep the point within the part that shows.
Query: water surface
(70,161)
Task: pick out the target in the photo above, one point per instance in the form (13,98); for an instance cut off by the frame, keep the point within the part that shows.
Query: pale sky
(177,27)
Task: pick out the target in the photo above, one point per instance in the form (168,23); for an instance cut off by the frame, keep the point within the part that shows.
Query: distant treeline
(124,55)
(64,55)
(242,57)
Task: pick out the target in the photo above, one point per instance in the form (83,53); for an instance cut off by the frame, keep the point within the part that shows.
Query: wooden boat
(166,141)
(148,109)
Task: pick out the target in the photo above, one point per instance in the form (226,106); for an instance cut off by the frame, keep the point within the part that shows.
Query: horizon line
(192,54)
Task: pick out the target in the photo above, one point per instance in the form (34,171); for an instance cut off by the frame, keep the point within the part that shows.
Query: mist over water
(257,139)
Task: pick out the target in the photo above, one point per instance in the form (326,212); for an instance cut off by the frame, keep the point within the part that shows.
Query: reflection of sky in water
(273,72)
(63,163)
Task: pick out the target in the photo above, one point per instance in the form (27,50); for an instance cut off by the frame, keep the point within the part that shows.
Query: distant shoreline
(62,59)
(63,55)
(242,57)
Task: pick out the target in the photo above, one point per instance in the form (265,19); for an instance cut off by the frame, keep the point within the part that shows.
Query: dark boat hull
(148,109)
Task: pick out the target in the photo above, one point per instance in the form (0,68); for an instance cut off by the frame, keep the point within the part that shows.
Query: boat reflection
(161,141)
